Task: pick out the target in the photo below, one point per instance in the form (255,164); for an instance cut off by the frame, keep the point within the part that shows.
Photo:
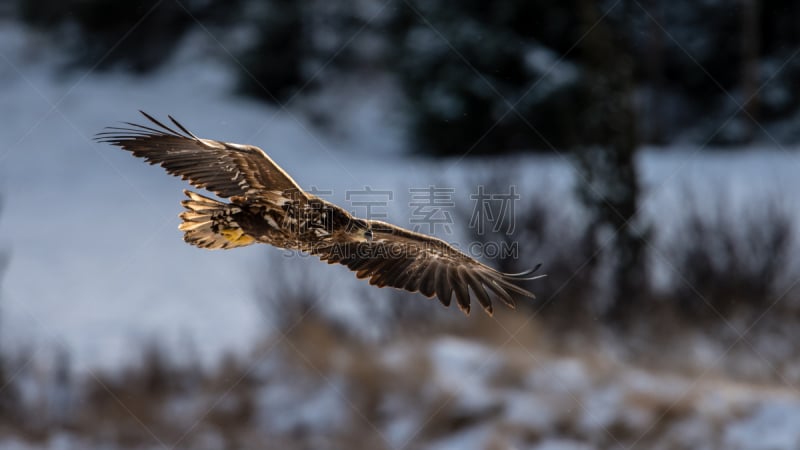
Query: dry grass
(731,262)
(508,377)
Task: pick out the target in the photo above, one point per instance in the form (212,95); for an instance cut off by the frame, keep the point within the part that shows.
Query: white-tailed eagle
(267,206)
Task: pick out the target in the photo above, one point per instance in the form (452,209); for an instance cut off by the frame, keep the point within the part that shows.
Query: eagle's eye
(368,235)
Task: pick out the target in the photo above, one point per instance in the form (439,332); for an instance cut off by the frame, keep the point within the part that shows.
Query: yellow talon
(236,236)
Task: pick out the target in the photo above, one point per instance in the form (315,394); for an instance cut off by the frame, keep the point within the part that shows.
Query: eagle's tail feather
(208,223)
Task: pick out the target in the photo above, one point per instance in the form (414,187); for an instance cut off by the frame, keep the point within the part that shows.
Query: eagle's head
(360,229)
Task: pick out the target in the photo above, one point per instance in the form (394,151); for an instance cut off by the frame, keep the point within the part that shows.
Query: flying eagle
(267,206)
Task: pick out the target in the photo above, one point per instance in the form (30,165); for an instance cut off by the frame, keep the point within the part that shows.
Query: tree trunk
(612,190)
(750,44)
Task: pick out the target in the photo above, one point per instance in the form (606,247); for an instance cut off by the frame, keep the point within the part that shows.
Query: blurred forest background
(666,326)
(483,78)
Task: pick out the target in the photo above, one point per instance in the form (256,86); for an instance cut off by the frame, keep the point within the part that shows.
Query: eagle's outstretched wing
(404,259)
(223,168)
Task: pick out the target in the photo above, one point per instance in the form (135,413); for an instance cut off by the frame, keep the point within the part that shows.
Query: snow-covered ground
(431,392)
(98,267)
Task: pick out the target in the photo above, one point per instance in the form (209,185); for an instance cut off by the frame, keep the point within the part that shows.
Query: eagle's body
(267,206)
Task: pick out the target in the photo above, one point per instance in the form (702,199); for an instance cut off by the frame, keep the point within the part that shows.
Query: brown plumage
(267,206)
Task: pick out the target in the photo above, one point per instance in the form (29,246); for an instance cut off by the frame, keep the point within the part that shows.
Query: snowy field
(98,269)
